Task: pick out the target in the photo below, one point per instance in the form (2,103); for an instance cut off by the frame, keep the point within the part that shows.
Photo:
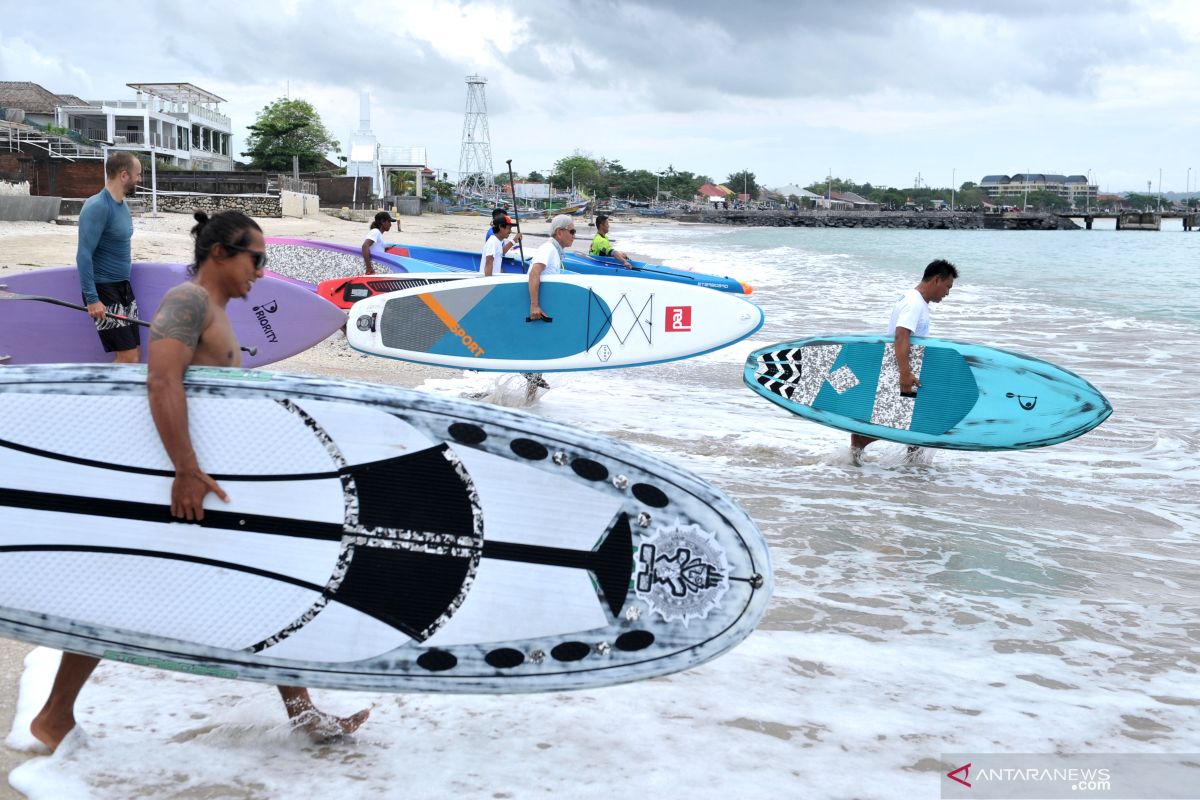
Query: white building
(402,159)
(179,123)
(1076,189)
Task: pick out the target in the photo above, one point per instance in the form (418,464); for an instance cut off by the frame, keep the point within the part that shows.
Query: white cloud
(874,89)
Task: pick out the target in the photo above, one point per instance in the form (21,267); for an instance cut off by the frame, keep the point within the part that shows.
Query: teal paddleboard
(971,397)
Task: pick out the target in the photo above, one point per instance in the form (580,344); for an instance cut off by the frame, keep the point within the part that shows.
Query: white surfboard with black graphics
(375,538)
(596,322)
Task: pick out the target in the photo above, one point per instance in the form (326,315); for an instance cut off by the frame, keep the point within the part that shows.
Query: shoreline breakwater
(921,220)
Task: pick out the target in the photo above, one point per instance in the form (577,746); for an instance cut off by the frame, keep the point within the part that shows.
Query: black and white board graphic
(375,538)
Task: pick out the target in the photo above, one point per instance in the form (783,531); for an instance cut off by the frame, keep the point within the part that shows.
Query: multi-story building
(1074,188)
(179,123)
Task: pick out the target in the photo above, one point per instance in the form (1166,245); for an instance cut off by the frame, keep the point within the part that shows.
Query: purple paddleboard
(278,317)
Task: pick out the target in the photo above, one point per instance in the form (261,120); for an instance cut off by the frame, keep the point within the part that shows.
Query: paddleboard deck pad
(598,323)
(278,317)
(313,262)
(375,538)
(345,292)
(971,397)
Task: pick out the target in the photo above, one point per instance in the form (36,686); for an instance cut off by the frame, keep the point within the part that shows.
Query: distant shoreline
(915,220)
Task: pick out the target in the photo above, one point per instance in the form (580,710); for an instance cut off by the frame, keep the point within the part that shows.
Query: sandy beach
(30,245)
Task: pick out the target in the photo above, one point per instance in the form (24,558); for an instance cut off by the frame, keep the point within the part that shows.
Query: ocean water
(1043,601)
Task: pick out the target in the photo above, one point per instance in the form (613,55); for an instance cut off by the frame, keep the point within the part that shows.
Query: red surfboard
(345,292)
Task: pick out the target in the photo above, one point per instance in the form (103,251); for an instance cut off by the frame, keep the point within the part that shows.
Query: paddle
(7,295)
(512,188)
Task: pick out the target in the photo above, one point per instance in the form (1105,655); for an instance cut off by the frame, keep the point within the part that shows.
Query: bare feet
(322,727)
(858,443)
(51,731)
(319,726)
(57,717)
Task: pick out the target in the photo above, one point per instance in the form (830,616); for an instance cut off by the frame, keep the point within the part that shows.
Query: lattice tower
(475,173)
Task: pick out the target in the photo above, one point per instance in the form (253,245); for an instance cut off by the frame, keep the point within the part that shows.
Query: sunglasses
(259,256)
(568,230)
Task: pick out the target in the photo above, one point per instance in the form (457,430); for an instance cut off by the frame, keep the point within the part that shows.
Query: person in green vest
(600,244)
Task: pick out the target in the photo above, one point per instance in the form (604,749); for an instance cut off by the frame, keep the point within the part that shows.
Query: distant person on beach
(496,247)
(191,329)
(104,258)
(374,245)
(600,244)
(910,317)
(497,215)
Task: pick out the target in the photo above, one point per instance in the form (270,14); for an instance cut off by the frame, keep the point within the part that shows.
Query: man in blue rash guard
(104,258)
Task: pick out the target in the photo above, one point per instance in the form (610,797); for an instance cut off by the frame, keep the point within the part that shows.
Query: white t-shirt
(549,254)
(378,246)
(493,247)
(912,312)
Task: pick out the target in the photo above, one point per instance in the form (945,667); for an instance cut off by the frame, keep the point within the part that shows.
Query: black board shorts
(115,334)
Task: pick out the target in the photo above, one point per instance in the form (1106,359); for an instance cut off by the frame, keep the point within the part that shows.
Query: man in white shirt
(496,247)
(547,260)
(910,317)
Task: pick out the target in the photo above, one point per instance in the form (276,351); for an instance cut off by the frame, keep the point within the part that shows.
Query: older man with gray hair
(547,260)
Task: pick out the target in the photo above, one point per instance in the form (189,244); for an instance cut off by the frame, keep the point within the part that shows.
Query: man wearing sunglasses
(191,328)
(547,260)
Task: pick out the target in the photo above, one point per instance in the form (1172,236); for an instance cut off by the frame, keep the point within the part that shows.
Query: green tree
(580,168)
(535,177)
(1042,200)
(886,197)
(1145,202)
(970,195)
(402,182)
(684,184)
(743,182)
(284,129)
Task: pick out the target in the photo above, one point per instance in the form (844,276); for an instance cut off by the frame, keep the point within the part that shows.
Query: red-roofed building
(714,194)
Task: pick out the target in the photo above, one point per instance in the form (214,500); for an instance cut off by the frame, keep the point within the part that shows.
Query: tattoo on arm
(181,316)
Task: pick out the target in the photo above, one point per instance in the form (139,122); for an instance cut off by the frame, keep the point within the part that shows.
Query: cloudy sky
(875,90)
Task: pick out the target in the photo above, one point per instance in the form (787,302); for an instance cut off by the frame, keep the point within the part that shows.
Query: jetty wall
(928,220)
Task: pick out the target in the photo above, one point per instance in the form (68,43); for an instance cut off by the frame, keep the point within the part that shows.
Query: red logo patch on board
(679,319)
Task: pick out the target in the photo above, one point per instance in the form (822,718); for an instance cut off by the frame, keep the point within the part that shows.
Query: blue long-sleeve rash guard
(104,252)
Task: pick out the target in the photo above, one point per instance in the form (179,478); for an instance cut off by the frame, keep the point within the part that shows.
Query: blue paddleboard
(574,262)
(598,323)
(971,397)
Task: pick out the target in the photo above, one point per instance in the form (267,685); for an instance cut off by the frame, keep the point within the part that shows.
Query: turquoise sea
(1042,601)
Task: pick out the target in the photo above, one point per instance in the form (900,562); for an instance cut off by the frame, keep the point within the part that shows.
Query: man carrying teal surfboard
(910,317)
